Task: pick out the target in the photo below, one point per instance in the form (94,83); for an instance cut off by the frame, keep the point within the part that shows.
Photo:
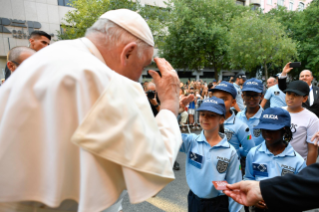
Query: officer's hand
(315,139)
(167,85)
(245,192)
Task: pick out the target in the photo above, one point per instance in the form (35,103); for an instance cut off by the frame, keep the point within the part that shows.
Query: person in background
(240,78)
(38,40)
(17,55)
(252,94)
(273,94)
(183,115)
(275,156)
(152,97)
(312,102)
(304,123)
(191,109)
(210,158)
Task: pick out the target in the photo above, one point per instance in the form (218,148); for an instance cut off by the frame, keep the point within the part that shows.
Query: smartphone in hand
(295,65)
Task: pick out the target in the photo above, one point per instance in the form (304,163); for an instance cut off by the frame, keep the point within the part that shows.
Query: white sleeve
(313,127)
(281,77)
(171,134)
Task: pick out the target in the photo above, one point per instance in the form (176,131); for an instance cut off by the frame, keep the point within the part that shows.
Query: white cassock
(71,128)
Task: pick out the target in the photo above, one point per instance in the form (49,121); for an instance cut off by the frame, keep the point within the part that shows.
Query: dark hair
(221,128)
(210,85)
(40,33)
(287,134)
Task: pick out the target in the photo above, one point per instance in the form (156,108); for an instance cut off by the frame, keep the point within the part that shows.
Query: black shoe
(176,166)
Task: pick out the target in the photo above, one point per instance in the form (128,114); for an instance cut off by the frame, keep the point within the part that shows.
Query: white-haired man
(78,126)
(17,55)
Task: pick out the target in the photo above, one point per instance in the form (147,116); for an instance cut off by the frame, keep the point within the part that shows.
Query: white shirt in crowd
(303,126)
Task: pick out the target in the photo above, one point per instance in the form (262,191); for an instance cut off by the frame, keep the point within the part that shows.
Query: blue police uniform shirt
(276,96)
(252,122)
(239,99)
(261,164)
(238,135)
(205,164)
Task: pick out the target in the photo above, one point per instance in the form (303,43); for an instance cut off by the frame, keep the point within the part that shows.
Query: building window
(269,2)
(280,2)
(240,3)
(64,3)
(291,6)
(301,6)
(255,7)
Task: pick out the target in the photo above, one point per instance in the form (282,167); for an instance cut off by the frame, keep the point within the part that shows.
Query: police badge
(221,166)
(286,171)
(228,134)
(276,93)
(256,132)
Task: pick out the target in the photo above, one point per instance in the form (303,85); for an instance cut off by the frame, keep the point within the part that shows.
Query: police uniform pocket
(195,160)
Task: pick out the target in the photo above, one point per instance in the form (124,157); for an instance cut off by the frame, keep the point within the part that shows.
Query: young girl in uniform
(275,156)
(210,158)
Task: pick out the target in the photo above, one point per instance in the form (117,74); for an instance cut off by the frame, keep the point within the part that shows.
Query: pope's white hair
(116,35)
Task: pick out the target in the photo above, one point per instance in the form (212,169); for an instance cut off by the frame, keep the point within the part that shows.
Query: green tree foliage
(198,33)
(88,11)
(259,40)
(302,27)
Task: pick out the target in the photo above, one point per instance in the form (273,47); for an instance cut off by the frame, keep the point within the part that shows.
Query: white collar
(92,48)
(310,86)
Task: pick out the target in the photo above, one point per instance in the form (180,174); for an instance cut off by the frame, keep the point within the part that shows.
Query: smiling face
(306,76)
(210,121)
(273,136)
(251,98)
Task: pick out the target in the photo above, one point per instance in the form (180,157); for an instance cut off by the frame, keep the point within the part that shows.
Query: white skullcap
(132,22)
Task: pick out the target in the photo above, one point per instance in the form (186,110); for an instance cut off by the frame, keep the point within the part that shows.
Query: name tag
(195,160)
(260,169)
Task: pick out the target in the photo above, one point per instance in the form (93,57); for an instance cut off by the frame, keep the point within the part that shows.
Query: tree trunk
(266,71)
(216,73)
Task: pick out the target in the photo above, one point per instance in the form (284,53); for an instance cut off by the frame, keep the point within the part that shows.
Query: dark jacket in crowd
(315,106)
(293,193)
(7,73)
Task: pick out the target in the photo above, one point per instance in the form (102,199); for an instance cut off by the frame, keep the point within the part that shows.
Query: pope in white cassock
(75,124)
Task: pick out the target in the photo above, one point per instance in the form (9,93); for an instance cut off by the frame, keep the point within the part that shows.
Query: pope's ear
(128,51)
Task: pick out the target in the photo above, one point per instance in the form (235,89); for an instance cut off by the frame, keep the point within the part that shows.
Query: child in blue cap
(236,131)
(210,158)
(252,95)
(275,156)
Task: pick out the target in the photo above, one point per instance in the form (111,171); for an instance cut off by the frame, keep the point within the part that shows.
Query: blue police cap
(274,118)
(214,104)
(254,85)
(227,87)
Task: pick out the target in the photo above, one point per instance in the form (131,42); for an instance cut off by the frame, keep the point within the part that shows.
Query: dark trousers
(217,204)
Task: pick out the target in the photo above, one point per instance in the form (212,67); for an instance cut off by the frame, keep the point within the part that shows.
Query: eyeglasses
(256,96)
(17,64)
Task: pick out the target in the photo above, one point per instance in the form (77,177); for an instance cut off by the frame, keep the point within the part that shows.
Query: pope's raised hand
(245,192)
(167,86)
